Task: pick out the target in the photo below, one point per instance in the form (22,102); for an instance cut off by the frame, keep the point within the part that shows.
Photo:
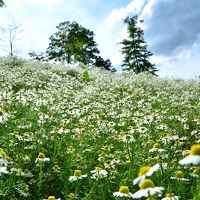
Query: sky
(171,28)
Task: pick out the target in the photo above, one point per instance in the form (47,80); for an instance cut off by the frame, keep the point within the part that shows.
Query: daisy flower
(157,148)
(41,158)
(98,173)
(27,173)
(170,196)
(147,189)
(52,198)
(3,170)
(123,192)
(179,176)
(195,172)
(145,171)
(77,176)
(194,157)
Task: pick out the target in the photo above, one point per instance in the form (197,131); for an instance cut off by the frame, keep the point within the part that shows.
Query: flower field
(88,134)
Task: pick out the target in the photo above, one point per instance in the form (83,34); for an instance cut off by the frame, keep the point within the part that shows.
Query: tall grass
(55,120)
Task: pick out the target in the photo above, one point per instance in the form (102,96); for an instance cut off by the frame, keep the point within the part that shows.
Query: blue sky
(171,28)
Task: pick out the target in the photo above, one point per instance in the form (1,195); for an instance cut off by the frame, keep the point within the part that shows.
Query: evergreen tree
(136,55)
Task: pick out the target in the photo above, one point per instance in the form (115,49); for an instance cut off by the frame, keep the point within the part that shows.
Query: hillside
(59,123)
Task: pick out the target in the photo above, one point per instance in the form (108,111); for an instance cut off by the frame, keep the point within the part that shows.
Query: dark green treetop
(134,49)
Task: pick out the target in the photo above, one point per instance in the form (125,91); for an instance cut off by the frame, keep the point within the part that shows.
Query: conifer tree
(134,49)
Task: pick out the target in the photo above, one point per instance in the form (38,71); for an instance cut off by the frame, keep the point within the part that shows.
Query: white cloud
(48,3)
(120,13)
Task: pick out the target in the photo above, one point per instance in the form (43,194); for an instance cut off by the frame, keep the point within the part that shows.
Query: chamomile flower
(41,158)
(52,198)
(123,192)
(27,173)
(147,189)
(157,148)
(3,170)
(98,173)
(194,157)
(195,173)
(77,176)
(179,176)
(170,196)
(144,172)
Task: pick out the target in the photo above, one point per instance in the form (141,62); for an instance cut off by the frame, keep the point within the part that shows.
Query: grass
(56,119)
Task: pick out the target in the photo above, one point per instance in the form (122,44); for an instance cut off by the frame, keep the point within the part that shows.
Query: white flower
(123,192)
(157,148)
(147,188)
(194,157)
(179,176)
(3,170)
(128,138)
(170,196)
(98,173)
(41,158)
(27,173)
(77,176)
(144,172)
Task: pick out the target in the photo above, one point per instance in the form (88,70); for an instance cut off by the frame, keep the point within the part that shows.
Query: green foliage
(2,3)
(105,64)
(136,55)
(72,43)
(86,76)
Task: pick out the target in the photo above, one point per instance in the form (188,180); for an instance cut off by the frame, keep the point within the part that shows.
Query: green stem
(40,177)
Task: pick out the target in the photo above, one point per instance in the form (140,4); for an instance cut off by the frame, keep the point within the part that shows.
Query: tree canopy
(106,64)
(72,43)
(2,3)
(134,48)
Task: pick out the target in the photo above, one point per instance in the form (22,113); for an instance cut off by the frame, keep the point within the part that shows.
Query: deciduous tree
(72,43)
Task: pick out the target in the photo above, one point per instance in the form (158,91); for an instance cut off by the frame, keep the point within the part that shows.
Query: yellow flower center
(51,198)
(169,195)
(26,171)
(157,145)
(147,183)
(98,168)
(143,170)
(41,155)
(179,174)
(196,171)
(124,189)
(77,173)
(195,150)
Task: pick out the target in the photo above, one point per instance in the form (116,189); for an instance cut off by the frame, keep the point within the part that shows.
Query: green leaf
(86,76)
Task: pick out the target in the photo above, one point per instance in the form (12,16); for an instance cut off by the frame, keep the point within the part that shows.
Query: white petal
(153,169)
(140,193)
(190,160)
(139,180)
(3,170)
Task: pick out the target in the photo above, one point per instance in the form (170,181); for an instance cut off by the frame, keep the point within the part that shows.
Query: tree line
(73,43)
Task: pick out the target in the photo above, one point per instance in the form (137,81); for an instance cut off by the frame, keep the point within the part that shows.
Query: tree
(72,43)
(136,55)
(106,64)
(2,3)
(38,56)
(9,38)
